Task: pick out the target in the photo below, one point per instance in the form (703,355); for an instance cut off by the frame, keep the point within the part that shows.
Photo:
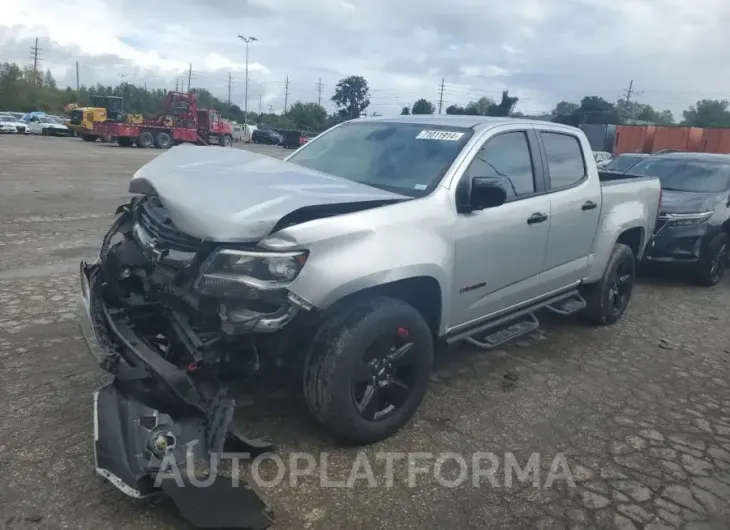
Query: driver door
(499,252)
(35,126)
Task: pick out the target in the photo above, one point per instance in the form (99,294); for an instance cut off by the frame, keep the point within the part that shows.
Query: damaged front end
(169,316)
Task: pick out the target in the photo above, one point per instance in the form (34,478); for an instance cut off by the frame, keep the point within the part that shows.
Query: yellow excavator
(103,108)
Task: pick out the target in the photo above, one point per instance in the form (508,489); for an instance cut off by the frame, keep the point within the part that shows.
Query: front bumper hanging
(155,432)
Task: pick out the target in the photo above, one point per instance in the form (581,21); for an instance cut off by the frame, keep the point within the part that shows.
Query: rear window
(406,158)
(566,165)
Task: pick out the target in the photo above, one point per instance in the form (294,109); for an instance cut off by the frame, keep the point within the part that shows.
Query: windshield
(700,176)
(622,163)
(407,158)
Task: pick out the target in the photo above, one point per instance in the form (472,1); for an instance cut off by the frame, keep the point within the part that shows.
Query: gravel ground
(640,412)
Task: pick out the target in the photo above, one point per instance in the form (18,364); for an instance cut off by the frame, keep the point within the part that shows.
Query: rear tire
(357,340)
(711,267)
(163,140)
(145,140)
(609,297)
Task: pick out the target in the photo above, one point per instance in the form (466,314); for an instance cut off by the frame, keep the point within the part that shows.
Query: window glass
(565,159)
(506,157)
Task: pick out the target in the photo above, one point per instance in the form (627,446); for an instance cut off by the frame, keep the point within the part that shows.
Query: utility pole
(286,93)
(229,89)
(319,92)
(177,84)
(441,94)
(247,40)
(35,53)
(271,109)
(190,75)
(78,85)
(260,98)
(628,93)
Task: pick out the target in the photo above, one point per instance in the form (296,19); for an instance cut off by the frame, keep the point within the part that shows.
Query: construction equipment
(181,121)
(85,121)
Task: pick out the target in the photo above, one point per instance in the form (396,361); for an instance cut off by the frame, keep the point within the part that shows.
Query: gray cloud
(541,50)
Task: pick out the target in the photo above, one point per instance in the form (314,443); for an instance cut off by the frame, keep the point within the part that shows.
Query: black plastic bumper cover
(153,435)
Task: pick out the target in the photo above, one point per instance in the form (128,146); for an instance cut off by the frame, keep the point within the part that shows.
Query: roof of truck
(473,122)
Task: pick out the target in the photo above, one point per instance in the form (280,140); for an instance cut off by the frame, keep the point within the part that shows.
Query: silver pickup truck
(350,261)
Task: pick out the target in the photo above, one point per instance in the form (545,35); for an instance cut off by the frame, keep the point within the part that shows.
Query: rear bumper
(155,432)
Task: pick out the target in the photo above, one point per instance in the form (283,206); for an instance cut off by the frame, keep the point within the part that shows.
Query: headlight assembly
(687,219)
(243,272)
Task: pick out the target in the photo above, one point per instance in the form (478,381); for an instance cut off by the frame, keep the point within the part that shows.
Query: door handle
(588,205)
(536,217)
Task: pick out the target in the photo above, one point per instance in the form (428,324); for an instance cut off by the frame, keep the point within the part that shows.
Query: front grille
(151,216)
(21,129)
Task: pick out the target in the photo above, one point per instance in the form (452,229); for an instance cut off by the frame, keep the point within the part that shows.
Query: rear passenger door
(575,208)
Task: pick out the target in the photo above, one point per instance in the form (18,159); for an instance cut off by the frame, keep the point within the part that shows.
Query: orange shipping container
(716,141)
(633,139)
(681,138)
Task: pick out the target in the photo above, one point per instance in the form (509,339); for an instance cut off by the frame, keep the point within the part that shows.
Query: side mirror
(479,193)
(486,192)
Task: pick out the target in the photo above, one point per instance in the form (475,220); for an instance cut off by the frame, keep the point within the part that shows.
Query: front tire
(145,140)
(368,368)
(225,141)
(609,297)
(711,267)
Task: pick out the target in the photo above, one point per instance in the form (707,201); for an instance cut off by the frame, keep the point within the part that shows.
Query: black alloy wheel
(384,378)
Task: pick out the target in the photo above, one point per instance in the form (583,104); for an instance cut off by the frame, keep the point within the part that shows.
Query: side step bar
(508,327)
(568,306)
(524,325)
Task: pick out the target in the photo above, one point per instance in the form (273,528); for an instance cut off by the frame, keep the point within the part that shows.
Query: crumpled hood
(688,202)
(229,194)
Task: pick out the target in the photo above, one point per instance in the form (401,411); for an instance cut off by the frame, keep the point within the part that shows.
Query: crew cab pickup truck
(355,256)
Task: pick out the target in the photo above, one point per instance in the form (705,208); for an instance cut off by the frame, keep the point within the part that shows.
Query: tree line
(22,89)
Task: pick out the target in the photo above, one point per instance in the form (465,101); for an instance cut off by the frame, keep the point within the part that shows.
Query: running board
(510,318)
(568,306)
(524,325)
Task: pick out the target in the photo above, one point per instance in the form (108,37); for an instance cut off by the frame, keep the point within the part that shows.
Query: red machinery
(180,121)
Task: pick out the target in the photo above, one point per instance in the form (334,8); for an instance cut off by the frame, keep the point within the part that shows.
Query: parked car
(694,219)
(266,136)
(602,158)
(294,138)
(622,163)
(363,248)
(10,125)
(47,126)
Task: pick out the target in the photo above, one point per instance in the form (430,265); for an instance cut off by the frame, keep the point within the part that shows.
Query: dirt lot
(641,411)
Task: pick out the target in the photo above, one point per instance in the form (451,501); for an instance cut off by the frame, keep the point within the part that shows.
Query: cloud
(541,50)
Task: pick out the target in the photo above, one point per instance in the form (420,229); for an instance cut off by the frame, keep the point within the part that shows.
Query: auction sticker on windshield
(451,136)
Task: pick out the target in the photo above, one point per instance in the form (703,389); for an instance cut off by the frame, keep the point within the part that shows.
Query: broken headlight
(231,272)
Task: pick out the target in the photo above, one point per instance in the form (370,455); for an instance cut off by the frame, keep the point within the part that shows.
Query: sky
(543,51)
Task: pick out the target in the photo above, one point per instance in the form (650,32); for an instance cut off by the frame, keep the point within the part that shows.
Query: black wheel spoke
(401,355)
(369,403)
(397,392)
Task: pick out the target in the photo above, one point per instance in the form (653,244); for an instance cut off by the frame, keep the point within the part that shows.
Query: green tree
(309,116)
(48,80)
(708,113)
(405,111)
(423,106)
(564,108)
(352,97)
(479,107)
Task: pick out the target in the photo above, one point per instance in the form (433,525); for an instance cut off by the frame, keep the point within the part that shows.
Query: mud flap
(143,451)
